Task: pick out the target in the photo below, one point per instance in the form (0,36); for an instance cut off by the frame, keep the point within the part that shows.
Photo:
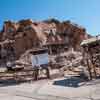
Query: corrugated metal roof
(90,41)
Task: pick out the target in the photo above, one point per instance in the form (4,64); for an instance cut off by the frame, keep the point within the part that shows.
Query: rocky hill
(18,37)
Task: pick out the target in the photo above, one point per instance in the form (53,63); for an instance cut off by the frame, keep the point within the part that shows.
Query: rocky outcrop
(71,33)
(28,34)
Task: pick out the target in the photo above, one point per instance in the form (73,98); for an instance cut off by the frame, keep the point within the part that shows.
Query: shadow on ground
(74,81)
(11,81)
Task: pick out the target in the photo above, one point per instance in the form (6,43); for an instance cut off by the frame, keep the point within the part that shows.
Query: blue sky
(83,12)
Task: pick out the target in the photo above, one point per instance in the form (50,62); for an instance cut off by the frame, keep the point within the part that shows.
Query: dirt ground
(69,87)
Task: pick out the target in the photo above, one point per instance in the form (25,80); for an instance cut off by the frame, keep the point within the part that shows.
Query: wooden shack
(56,48)
(40,60)
(91,54)
(39,56)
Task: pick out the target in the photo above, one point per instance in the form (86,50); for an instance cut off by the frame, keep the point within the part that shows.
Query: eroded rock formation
(28,34)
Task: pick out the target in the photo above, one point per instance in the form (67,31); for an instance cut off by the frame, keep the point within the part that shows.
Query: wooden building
(91,55)
(56,48)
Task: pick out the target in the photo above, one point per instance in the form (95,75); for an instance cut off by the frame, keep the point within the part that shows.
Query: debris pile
(68,60)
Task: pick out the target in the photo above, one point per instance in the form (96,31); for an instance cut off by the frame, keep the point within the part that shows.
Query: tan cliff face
(28,34)
(71,33)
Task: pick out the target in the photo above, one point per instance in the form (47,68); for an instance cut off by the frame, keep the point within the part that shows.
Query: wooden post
(89,69)
(94,67)
(93,64)
(50,49)
(87,61)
